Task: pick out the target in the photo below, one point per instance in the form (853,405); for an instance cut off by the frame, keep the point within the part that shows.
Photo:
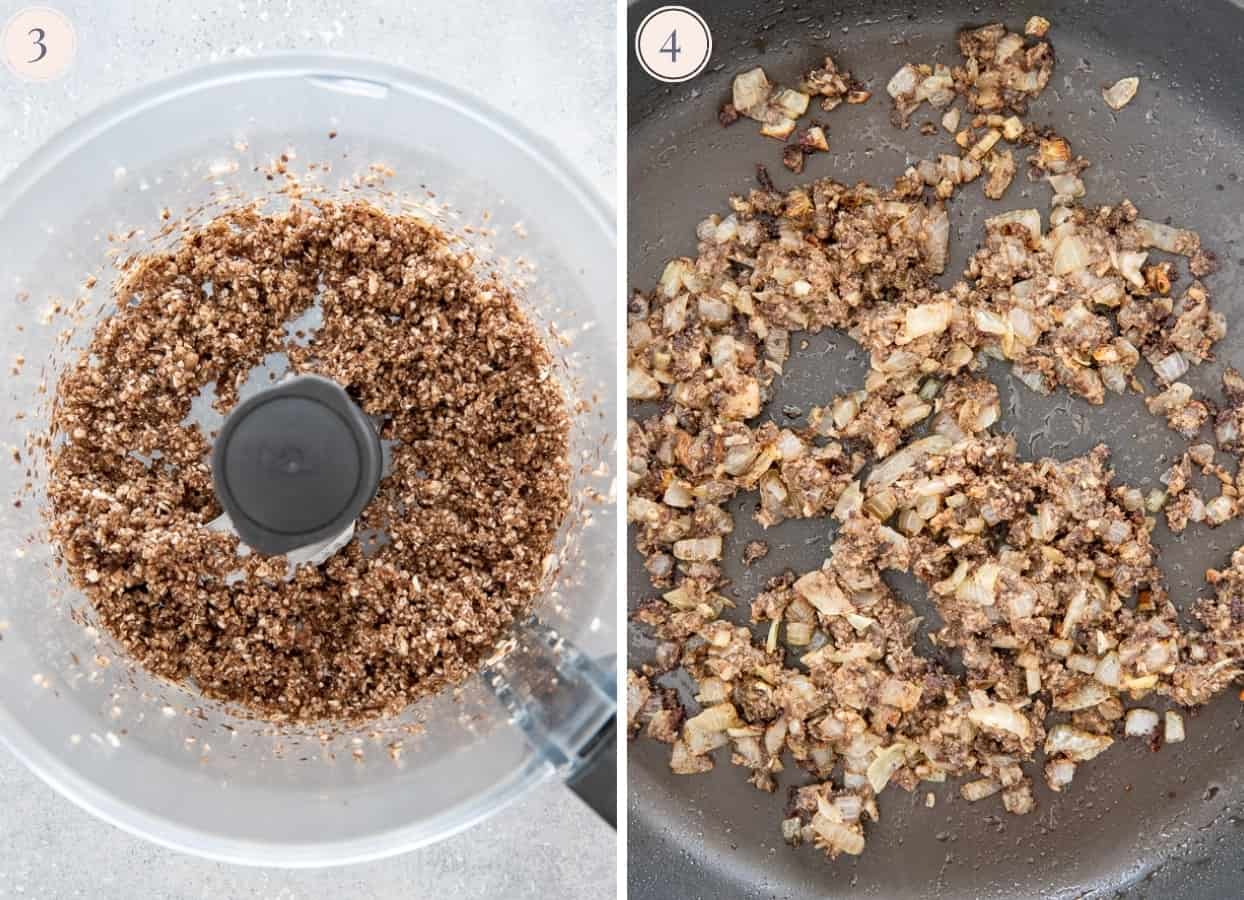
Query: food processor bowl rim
(284,64)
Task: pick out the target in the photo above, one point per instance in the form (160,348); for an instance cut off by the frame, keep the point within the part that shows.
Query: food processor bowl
(158,759)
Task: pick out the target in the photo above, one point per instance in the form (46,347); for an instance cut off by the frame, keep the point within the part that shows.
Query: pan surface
(1169,824)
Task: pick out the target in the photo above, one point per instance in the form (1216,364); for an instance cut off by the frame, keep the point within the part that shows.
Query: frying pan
(1167,824)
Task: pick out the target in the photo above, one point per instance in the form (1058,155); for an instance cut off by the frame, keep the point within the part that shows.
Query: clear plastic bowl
(158,760)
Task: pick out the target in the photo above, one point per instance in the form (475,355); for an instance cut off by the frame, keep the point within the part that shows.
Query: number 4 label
(673,44)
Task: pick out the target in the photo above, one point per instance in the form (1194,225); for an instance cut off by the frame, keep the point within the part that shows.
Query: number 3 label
(673,44)
(38,43)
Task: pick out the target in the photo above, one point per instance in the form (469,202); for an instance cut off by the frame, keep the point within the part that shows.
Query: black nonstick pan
(1168,824)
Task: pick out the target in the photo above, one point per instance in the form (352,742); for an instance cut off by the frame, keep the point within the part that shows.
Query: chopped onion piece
(698,549)
(742,402)
(819,589)
(1129,263)
(713,310)
(707,731)
(1227,431)
(1066,185)
(851,500)
(1120,94)
(893,467)
(750,89)
(1171,367)
(1071,255)
(792,102)
(1109,671)
(839,838)
(990,322)
(1083,696)
(678,494)
(740,458)
(1077,744)
(936,239)
(1167,237)
(1174,727)
(1032,680)
(1141,685)
(1140,723)
(1029,218)
(798,634)
(1079,662)
(849,807)
(790,446)
(904,82)
(981,587)
(844,410)
(713,691)
(641,509)
(927,318)
(860,623)
(724,350)
(1001,717)
(1076,608)
(885,764)
(881,505)
(979,789)
(641,386)
(910,522)
(1059,773)
(674,315)
(1219,510)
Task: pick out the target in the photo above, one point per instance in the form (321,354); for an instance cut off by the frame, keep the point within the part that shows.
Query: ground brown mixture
(435,350)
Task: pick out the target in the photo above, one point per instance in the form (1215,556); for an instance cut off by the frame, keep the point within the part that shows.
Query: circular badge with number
(673,44)
(38,43)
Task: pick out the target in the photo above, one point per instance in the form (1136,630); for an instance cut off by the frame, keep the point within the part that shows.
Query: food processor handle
(565,704)
(596,782)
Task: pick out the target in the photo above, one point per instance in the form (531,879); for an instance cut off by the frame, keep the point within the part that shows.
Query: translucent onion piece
(1120,94)
(1140,723)
(1075,743)
(884,765)
(1071,255)
(750,90)
(641,386)
(1174,727)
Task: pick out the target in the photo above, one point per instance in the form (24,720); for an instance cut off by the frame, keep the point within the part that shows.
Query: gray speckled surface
(553,61)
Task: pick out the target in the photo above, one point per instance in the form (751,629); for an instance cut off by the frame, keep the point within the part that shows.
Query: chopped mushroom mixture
(777,109)
(1001,72)
(1042,572)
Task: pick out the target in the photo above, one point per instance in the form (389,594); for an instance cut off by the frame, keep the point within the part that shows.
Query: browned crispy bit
(813,140)
(832,86)
(754,551)
(792,157)
(1001,168)
(1158,277)
(763,179)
